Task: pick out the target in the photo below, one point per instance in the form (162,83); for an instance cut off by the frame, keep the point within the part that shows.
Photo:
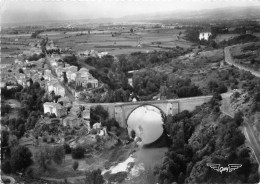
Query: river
(147,122)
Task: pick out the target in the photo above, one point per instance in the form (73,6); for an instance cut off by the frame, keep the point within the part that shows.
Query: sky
(33,10)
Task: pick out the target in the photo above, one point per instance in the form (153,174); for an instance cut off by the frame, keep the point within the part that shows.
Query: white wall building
(204,35)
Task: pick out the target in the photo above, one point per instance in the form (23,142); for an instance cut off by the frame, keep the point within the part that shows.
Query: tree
(98,114)
(75,165)
(20,158)
(6,167)
(59,154)
(94,177)
(78,152)
(133,134)
(67,148)
(44,157)
(238,117)
(5,109)
(65,78)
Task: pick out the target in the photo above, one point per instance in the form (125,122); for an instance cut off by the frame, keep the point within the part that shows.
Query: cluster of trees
(46,154)
(16,126)
(78,152)
(72,60)
(36,33)
(217,87)
(147,83)
(139,60)
(104,62)
(245,38)
(31,99)
(182,87)
(185,162)
(10,93)
(18,159)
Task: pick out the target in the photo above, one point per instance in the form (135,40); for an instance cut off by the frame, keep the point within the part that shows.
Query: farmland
(121,43)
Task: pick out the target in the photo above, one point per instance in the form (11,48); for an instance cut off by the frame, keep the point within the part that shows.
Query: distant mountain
(214,14)
(228,13)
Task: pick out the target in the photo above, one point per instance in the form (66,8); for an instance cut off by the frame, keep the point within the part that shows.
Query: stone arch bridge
(121,111)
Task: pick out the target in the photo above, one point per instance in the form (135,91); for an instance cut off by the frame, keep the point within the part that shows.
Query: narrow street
(67,90)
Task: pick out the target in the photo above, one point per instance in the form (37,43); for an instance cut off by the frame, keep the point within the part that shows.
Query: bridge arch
(141,105)
(147,122)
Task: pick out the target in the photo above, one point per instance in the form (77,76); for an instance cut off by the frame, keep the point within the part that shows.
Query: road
(229,60)
(248,132)
(252,139)
(67,90)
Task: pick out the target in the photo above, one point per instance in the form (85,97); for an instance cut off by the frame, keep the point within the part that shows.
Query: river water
(147,122)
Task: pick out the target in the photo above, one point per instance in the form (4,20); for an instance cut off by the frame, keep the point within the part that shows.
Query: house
(11,87)
(54,108)
(97,126)
(71,75)
(59,71)
(102,54)
(84,78)
(20,78)
(65,101)
(18,62)
(71,121)
(58,89)
(204,35)
(86,114)
(3,84)
(72,68)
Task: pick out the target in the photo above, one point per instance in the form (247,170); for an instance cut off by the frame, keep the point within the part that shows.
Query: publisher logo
(230,168)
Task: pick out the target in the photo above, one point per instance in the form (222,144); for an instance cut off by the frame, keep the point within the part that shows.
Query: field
(121,43)
(12,46)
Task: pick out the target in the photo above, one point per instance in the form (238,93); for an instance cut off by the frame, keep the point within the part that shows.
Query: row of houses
(92,53)
(82,77)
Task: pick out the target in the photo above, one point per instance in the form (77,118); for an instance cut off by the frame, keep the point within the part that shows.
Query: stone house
(71,121)
(54,108)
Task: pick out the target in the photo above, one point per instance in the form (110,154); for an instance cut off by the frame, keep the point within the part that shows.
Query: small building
(3,84)
(54,108)
(71,121)
(65,101)
(97,126)
(204,35)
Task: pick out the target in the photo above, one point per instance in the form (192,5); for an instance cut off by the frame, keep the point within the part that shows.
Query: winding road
(248,130)
(229,60)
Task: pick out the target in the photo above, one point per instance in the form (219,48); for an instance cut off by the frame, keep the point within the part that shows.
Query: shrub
(6,167)
(67,148)
(78,152)
(52,140)
(20,158)
(29,173)
(75,165)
